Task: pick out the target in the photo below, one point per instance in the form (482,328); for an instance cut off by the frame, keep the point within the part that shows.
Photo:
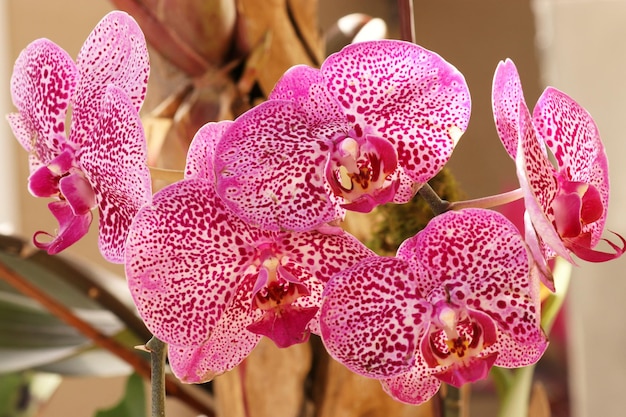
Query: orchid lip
(456,340)
(361,171)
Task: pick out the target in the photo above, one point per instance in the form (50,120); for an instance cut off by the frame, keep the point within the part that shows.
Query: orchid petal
(78,193)
(185,239)
(571,134)
(413,387)
(584,251)
(71,228)
(405,94)
(270,170)
(507,99)
(114,162)
(537,180)
(534,246)
(44,182)
(42,85)
(369,317)
(304,86)
(482,261)
(323,255)
(202,150)
(227,345)
(115,52)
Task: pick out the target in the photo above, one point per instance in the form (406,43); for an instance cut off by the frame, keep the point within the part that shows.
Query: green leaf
(33,338)
(133,404)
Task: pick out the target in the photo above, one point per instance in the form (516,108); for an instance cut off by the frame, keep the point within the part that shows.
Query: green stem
(437,205)
(488,202)
(158,354)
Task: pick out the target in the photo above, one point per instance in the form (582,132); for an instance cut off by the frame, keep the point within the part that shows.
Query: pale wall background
(580,52)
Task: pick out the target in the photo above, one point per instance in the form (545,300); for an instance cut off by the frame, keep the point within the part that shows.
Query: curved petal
(405,94)
(71,228)
(323,255)
(305,87)
(571,134)
(371,316)
(44,182)
(78,193)
(513,353)
(506,98)
(115,52)
(227,345)
(42,85)
(413,387)
(184,258)
(270,170)
(114,161)
(201,151)
(537,180)
(481,260)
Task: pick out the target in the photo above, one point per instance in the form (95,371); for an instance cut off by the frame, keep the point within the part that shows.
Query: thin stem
(407,20)
(129,356)
(453,402)
(437,205)
(488,202)
(76,276)
(158,353)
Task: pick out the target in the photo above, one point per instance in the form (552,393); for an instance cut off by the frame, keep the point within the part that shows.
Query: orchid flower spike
(459,297)
(375,123)
(566,204)
(210,285)
(101,162)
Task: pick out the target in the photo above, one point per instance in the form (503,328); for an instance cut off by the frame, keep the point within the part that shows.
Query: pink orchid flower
(458,298)
(210,285)
(376,122)
(102,161)
(566,205)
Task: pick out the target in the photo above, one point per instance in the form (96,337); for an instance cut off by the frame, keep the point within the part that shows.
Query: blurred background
(574,45)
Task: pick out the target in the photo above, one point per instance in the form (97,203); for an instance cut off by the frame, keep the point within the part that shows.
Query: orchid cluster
(250,244)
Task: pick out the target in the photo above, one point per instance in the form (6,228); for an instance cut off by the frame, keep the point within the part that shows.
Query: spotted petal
(324,254)
(202,150)
(405,94)
(115,52)
(413,387)
(270,169)
(481,260)
(571,134)
(538,182)
(114,161)
(369,317)
(228,344)
(305,87)
(176,245)
(42,84)
(507,97)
